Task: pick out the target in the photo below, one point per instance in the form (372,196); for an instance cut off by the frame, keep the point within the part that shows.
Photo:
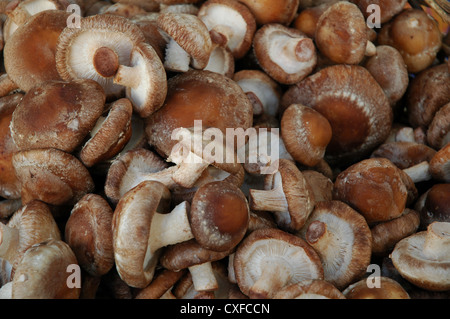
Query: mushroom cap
(75,53)
(52,176)
(129,170)
(272,11)
(321,185)
(310,289)
(286,54)
(215,99)
(189,253)
(386,234)
(438,132)
(427,93)
(233,16)
(110,136)
(341,33)
(88,232)
(440,164)
(135,260)
(57,114)
(190,33)
(266,246)
(219,215)
(29,54)
(342,238)
(416,267)
(162,282)
(388,289)
(436,205)
(373,187)
(9,184)
(42,274)
(306,134)
(388,10)
(353,102)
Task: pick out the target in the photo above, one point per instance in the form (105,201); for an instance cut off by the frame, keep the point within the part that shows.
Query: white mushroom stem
(274,275)
(9,242)
(231,273)
(18,15)
(273,200)
(189,172)
(221,34)
(128,76)
(176,58)
(419,172)
(6,291)
(370,49)
(203,277)
(437,241)
(171,228)
(164,176)
(318,236)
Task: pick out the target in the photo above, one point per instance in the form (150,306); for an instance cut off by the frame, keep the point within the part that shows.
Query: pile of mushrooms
(224,149)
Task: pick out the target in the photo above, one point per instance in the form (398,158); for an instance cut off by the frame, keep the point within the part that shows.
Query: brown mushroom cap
(388,8)
(354,104)
(57,114)
(287,194)
(162,282)
(88,232)
(215,99)
(321,185)
(29,55)
(109,135)
(219,216)
(424,257)
(436,206)
(310,289)
(438,132)
(342,238)
(306,134)
(269,259)
(230,23)
(272,11)
(43,274)
(440,164)
(388,289)
(9,184)
(52,176)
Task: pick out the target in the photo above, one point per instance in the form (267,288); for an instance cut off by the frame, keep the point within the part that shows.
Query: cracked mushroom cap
(270,259)
(219,216)
(342,239)
(57,114)
(9,184)
(29,54)
(388,289)
(43,274)
(373,187)
(423,258)
(190,35)
(353,102)
(96,49)
(88,232)
(286,54)
(215,99)
(52,176)
(230,23)
(310,289)
(109,135)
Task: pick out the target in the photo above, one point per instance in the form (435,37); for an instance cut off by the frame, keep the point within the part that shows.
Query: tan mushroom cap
(43,274)
(342,238)
(88,232)
(373,187)
(215,99)
(310,289)
(9,184)
(273,11)
(287,194)
(109,135)
(269,259)
(388,289)
(438,132)
(29,55)
(424,257)
(440,164)
(219,216)
(52,176)
(354,104)
(230,23)
(306,134)
(286,54)
(57,114)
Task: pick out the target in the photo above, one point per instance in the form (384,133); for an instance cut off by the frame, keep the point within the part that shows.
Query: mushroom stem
(371,49)
(17,13)
(127,76)
(437,241)
(273,200)
(419,173)
(164,176)
(203,277)
(318,236)
(9,242)
(301,49)
(221,34)
(273,277)
(172,228)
